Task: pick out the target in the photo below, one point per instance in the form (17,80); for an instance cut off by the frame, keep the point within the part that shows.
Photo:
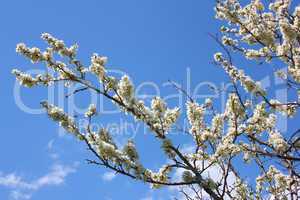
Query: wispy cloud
(50,144)
(147,198)
(20,195)
(23,189)
(50,148)
(108,176)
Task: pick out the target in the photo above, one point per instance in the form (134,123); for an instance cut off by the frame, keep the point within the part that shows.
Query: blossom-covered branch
(244,133)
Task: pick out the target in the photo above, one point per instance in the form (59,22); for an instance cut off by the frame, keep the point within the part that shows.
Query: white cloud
(108,176)
(23,189)
(50,144)
(56,176)
(50,148)
(20,195)
(147,198)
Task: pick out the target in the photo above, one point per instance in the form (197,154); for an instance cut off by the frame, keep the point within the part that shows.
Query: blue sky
(150,40)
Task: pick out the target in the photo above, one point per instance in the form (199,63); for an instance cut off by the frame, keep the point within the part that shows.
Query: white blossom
(130,151)
(97,65)
(286,109)
(158,105)
(34,53)
(58,115)
(28,81)
(91,110)
(238,75)
(277,141)
(59,46)
(126,90)
(195,115)
(244,131)
(25,79)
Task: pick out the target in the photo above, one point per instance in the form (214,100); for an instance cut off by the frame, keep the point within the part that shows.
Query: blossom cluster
(195,115)
(286,109)
(64,120)
(29,81)
(158,116)
(59,46)
(97,65)
(162,176)
(200,130)
(260,121)
(277,141)
(273,29)
(34,53)
(238,75)
(127,157)
(91,110)
(245,128)
(278,183)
